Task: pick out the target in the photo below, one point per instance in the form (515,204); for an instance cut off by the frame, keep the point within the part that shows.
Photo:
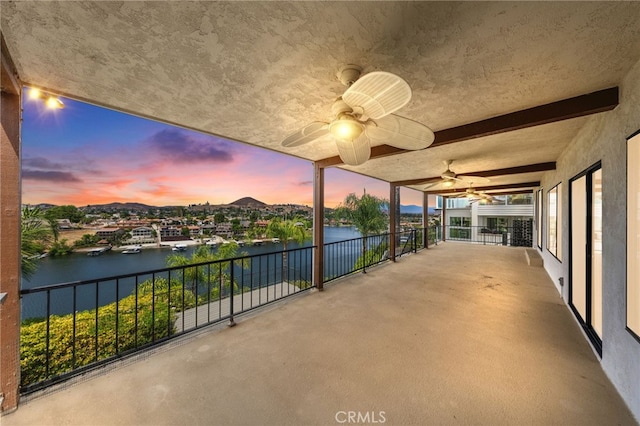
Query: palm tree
(202,275)
(285,231)
(367,214)
(36,233)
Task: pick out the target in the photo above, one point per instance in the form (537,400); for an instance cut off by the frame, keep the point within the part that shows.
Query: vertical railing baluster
(208,293)
(195,288)
(97,309)
(231,320)
(75,312)
(48,337)
(135,321)
(251,279)
(219,290)
(117,311)
(241,285)
(153,310)
(153,277)
(260,280)
(184,284)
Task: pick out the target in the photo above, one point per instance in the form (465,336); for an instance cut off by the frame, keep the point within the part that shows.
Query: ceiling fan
(449,178)
(362,116)
(472,195)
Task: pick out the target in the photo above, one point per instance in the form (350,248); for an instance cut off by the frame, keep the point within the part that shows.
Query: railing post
(364,255)
(232,322)
(425,236)
(318,226)
(394,195)
(444,218)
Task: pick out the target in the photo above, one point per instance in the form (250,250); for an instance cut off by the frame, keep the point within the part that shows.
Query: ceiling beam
(486,188)
(9,82)
(579,106)
(530,168)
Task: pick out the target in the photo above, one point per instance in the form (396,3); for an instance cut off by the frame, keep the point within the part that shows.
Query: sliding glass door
(585,296)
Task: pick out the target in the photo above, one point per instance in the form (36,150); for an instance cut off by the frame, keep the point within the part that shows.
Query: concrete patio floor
(457,334)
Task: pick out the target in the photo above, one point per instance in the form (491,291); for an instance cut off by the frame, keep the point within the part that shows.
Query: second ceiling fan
(449,179)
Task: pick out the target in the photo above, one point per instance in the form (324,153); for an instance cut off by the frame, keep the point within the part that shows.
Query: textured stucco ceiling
(257,71)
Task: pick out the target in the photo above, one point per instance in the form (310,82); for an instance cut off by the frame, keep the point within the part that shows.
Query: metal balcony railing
(519,236)
(72,327)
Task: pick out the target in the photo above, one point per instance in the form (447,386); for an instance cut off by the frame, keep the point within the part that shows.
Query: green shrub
(371,257)
(172,294)
(301,284)
(60,248)
(153,320)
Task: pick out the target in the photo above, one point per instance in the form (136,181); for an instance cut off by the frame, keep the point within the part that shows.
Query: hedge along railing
(76,326)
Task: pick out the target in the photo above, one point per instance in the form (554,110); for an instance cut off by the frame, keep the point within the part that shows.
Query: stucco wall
(604,138)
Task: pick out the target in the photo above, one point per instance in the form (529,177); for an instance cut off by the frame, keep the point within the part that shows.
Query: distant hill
(248,202)
(413,209)
(121,206)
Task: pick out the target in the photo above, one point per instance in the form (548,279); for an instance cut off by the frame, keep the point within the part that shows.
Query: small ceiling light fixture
(346,128)
(448,184)
(35,93)
(51,101)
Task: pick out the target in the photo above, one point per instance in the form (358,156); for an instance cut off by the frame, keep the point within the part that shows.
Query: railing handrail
(154,271)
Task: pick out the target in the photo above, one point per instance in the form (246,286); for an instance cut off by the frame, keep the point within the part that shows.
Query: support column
(444,218)
(425,220)
(393,201)
(10,228)
(318,226)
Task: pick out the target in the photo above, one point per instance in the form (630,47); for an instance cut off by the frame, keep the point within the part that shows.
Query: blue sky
(84,154)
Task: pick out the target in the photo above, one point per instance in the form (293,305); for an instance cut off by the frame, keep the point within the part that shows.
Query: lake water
(80,267)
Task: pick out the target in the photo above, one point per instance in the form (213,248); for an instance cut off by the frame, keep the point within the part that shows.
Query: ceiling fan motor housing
(348,74)
(340,107)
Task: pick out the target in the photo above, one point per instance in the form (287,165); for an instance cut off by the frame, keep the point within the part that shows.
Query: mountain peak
(248,202)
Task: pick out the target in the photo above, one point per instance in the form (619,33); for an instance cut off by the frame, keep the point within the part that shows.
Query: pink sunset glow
(88,155)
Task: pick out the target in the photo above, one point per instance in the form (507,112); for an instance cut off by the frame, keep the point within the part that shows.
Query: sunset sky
(85,154)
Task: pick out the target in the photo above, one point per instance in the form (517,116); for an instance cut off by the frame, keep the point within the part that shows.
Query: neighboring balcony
(517,236)
(457,333)
(522,210)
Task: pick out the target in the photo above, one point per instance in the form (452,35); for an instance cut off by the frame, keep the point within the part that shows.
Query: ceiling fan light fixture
(448,183)
(346,128)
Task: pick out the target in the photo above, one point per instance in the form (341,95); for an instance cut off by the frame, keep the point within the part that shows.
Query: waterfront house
(170,232)
(142,235)
(194,231)
(108,233)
